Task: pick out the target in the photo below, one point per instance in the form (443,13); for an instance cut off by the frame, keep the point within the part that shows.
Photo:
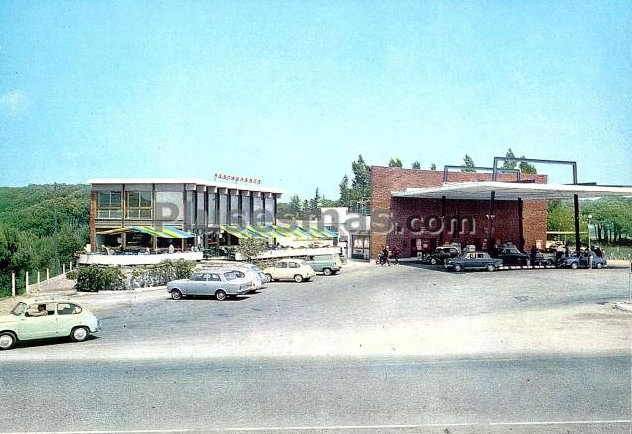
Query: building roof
(513,191)
(197,181)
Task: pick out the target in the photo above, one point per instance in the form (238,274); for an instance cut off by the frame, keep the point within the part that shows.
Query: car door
(281,270)
(68,315)
(212,283)
(36,324)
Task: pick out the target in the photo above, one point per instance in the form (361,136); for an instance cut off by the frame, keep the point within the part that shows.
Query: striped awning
(279,231)
(159,232)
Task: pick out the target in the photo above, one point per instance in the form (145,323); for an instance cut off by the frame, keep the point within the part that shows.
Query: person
(41,311)
(171,248)
(567,251)
(385,254)
(533,255)
(598,252)
(395,254)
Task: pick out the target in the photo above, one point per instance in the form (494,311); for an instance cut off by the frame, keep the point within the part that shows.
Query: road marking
(339,427)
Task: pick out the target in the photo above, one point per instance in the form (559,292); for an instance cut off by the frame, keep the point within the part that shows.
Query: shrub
(71,275)
(95,278)
(160,274)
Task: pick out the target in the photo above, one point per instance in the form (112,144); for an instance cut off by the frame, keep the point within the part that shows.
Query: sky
(293,91)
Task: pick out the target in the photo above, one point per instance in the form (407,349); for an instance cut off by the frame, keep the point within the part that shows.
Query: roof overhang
(195,181)
(512,191)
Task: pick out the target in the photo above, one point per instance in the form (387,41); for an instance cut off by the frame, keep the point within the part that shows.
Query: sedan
(474,261)
(220,283)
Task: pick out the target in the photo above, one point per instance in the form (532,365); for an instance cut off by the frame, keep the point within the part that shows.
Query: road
(400,349)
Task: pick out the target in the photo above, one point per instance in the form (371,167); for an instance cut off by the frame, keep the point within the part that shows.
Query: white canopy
(481,190)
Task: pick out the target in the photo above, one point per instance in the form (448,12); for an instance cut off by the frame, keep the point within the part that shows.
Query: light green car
(46,318)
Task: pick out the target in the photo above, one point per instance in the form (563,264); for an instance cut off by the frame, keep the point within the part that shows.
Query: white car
(290,269)
(46,318)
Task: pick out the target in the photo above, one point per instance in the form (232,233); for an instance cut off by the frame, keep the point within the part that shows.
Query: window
(214,277)
(233,275)
(198,276)
(294,265)
(281,265)
(138,205)
(109,205)
(40,310)
(68,309)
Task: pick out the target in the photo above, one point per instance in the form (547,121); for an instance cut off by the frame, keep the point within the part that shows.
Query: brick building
(421,223)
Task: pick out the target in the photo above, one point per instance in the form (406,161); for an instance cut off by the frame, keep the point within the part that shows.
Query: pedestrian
(385,253)
(395,254)
(533,255)
(567,251)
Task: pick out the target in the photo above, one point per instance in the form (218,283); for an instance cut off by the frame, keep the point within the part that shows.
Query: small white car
(290,269)
(46,318)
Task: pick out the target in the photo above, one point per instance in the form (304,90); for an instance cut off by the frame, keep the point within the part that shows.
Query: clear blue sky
(292,91)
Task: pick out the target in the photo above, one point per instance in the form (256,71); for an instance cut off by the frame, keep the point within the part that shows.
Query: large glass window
(212,208)
(223,209)
(138,205)
(109,205)
(234,209)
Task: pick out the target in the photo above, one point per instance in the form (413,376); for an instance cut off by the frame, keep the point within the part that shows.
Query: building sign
(235,178)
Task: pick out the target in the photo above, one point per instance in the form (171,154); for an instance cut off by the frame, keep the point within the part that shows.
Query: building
(352,228)
(154,213)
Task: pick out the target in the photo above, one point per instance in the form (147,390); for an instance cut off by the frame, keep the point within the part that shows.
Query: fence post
(47,273)
(70,265)
(38,277)
(13,284)
(26,288)
(63,268)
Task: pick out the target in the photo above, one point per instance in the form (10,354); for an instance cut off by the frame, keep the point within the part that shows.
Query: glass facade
(212,209)
(138,205)
(234,209)
(109,205)
(223,207)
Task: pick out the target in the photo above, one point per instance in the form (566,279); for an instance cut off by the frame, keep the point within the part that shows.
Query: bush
(160,274)
(95,278)
(71,275)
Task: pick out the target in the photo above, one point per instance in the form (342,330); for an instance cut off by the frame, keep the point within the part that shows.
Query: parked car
(290,269)
(442,253)
(511,255)
(582,260)
(221,283)
(251,271)
(326,264)
(473,261)
(41,318)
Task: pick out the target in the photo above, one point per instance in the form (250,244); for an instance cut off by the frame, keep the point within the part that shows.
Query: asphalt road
(398,395)
(399,349)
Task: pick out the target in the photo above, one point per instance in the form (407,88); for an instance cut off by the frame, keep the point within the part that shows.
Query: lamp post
(588,252)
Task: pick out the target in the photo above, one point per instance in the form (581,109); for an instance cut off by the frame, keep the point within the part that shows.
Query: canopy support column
(578,243)
(520,227)
(442,220)
(490,219)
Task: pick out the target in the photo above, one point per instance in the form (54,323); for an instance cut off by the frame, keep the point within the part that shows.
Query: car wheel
(433,261)
(298,278)
(79,334)
(574,265)
(598,265)
(327,271)
(269,277)
(491,267)
(220,295)
(457,267)
(7,340)
(176,294)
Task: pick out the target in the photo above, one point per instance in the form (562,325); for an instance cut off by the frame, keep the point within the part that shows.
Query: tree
(510,164)
(295,206)
(526,167)
(361,183)
(306,210)
(314,204)
(395,162)
(416,165)
(468,164)
(433,166)
(345,192)
(251,247)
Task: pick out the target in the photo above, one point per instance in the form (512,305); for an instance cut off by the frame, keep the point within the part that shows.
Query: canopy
(160,232)
(279,231)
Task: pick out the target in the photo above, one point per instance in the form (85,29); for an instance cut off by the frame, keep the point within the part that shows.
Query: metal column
(490,218)
(578,243)
(442,220)
(520,227)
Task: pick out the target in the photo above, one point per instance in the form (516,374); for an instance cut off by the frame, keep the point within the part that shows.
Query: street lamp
(588,227)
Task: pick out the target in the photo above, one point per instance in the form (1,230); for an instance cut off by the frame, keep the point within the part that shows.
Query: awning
(160,232)
(279,231)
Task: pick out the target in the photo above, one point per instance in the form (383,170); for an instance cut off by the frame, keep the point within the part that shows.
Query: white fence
(40,284)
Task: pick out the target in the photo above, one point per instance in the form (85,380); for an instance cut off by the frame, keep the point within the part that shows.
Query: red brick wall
(385,180)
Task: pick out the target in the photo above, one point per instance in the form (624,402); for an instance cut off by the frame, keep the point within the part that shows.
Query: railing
(35,281)
(94,259)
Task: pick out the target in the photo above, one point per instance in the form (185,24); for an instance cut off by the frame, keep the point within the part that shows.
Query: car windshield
(19,309)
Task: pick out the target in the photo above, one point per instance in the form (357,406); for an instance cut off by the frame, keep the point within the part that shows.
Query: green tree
(314,204)
(510,164)
(416,165)
(361,183)
(306,210)
(433,166)
(345,192)
(395,162)
(526,167)
(468,164)
(251,248)
(295,206)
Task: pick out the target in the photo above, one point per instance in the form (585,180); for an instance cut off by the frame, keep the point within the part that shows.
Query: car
(511,255)
(40,318)
(221,282)
(442,253)
(576,261)
(290,269)
(474,261)
(250,270)
(326,264)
